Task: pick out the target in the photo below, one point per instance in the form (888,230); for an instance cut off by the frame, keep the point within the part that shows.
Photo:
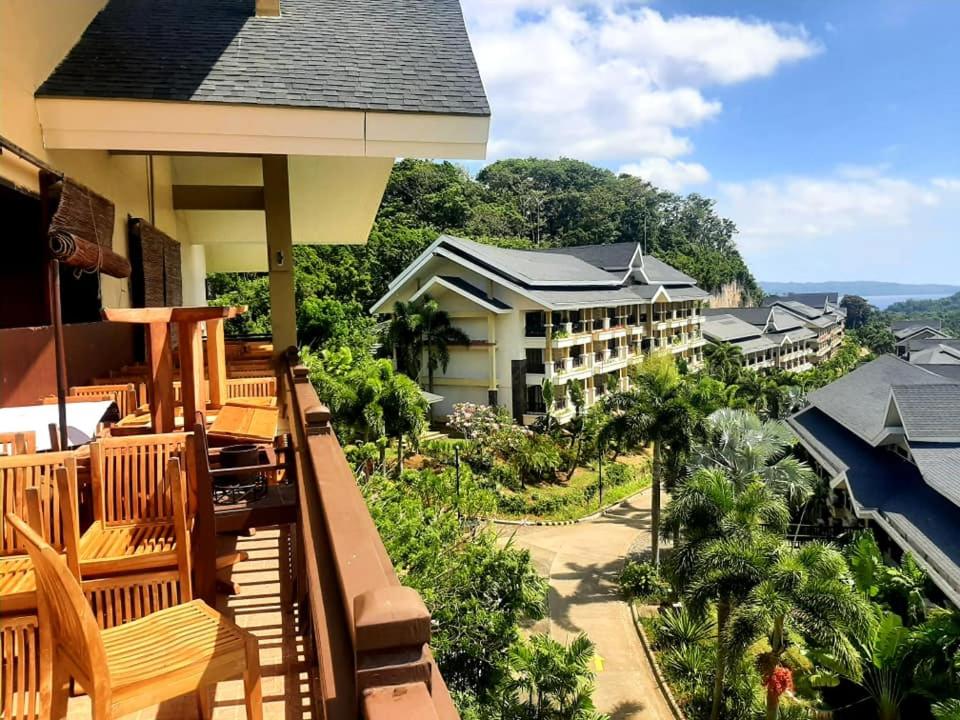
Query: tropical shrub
(641,580)
(538,459)
(677,627)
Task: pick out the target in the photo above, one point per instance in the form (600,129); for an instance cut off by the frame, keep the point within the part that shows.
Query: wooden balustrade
(370,634)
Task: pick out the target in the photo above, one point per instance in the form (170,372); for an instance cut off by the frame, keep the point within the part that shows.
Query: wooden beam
(283,311)
(217,362)
(160,386)
(217,197)
(191,369)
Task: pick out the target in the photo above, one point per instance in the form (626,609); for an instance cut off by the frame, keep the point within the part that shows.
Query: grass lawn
(567,501)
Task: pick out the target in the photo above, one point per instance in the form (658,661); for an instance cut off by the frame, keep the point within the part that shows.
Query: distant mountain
(858,287)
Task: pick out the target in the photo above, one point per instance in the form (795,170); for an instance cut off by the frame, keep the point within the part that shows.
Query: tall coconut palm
(724,361)
(403,338)
(807,592)
(657,411)
(748,448)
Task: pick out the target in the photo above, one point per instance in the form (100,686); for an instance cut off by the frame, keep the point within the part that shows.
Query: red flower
(780,680)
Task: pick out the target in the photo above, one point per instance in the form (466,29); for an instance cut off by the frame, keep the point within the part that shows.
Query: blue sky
(828,131)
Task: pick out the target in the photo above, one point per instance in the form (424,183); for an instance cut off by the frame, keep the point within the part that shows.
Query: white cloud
(857,223)
(668,174)
(606,82)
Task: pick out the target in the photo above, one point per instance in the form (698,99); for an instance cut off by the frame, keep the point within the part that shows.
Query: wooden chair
(18,443)
(138,381)
(175,651)
(123,394)
(142,514)
(18,475)
(260,386)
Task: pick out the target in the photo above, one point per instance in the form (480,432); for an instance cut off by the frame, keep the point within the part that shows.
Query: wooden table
(159,320)
(246,423)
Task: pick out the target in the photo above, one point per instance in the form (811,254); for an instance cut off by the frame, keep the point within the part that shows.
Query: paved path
(581,562)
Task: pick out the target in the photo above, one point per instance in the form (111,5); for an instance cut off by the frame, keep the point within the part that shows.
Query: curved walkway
(581,562)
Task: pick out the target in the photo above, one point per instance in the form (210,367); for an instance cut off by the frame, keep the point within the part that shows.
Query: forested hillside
(521,203)
(946,309)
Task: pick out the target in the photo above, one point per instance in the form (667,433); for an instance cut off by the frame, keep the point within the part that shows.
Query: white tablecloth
(82,420)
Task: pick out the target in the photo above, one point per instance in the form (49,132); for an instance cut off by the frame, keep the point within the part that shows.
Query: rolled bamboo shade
(81,230)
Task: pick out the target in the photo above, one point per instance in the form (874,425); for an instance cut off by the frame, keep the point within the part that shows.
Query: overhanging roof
(329,77)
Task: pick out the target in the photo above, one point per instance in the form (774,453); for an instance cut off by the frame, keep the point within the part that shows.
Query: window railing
(369,633)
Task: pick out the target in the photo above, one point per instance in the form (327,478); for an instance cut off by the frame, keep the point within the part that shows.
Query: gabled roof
(908,332)
(858,401)
(793,335)
(891,490)
(464,289)
(932,323)
(929,413)
(388,55)
(799,308)
(948,371)
(610,256)
(755,316)
(781,320)
(939,354)
(814,300)
(727,328)
(657,271)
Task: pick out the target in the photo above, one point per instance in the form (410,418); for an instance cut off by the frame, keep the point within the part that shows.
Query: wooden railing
(369,633)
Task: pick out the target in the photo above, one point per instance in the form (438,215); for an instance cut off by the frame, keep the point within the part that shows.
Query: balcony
(338,634)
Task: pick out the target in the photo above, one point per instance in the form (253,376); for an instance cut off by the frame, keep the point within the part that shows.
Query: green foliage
(550,680)
(724,361)
(947,310)
(859,311)
(477,589)
(678,627)
(642,581)
(901,589)
(537,459)
(877,336)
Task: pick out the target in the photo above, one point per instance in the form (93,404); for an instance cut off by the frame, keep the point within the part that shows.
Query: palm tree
(404,411)
(724,361)
(550,680)
(727,570)
(749,448)
(707,506)
(807,592)
(657,411)
(421,326)
(437,336)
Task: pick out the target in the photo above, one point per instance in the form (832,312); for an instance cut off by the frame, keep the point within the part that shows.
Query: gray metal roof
(859,400)
(726,328)
(800,308)
(475,292)
(940,354)
(795,334)
(939,464)
(591,297)
(935,323)
(753,345)
(883,482)
(929,413)
(390,55)
(907,333)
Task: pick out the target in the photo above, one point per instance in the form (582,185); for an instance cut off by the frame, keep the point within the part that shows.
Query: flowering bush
(477,422)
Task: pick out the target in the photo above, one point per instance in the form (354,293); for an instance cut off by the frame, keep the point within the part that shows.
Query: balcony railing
(369,634)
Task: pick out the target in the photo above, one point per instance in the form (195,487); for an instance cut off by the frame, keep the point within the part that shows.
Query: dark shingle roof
(754,316)
(883,482)
(929,413)
(858,400)
(947,371)
(814,300)
(611,256)
(390,55)
(940,465)
(658,271)
(726,328)
(934,323)
(475,292)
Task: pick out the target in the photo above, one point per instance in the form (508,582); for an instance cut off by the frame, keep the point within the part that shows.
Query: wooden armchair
(142,514)
(123,394)
(175,651)
(18,443)
(18,475)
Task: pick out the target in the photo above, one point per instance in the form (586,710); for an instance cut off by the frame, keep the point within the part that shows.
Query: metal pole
(56,317)
(456,465)
(600,474)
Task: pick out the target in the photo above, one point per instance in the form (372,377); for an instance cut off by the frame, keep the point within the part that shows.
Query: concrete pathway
(581,562)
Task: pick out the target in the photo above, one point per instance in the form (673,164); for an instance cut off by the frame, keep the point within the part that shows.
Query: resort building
(793,344)
(887,439)
(907,332)
(824,317)
(576,314)
(144,145)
